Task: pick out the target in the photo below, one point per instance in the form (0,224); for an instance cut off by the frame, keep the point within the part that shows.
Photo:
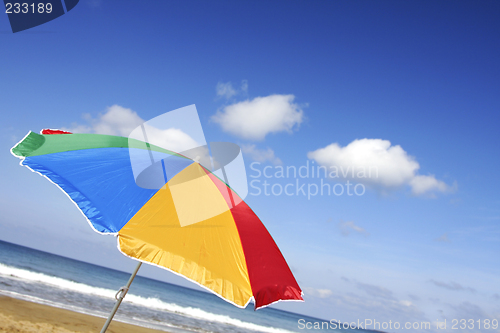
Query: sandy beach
(26,317)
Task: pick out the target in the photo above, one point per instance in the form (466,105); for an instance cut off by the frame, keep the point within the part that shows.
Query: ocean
(50,279)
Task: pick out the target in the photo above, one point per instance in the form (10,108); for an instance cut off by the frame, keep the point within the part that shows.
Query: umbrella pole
(119,298)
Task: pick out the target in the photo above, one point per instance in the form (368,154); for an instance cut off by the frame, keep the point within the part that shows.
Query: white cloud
(320,293)
(225,90)
(117,120)
(405,303)
(261,155)
(172,139)
(347,226)
(120,121)
(255,119)
(376,163)
(422,184)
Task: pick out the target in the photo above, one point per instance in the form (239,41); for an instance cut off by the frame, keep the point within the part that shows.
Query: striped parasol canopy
(194,224)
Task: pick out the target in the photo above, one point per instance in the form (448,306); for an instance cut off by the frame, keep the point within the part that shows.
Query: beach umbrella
(192,223)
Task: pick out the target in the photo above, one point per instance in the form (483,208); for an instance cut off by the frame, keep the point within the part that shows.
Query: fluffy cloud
(374,162)
(422,184)
(254,119)
(226,90)
(347,226)
(261,155)
(172,139)
(117,120)
(120,121)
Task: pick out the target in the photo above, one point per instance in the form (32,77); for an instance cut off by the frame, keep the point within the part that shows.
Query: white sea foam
(157,304)
(152,303)
(28,276)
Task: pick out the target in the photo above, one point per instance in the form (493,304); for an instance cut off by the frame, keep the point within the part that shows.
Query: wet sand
(26,317)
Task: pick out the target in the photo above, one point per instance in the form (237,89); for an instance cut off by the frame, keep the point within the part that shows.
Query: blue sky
(422,75)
